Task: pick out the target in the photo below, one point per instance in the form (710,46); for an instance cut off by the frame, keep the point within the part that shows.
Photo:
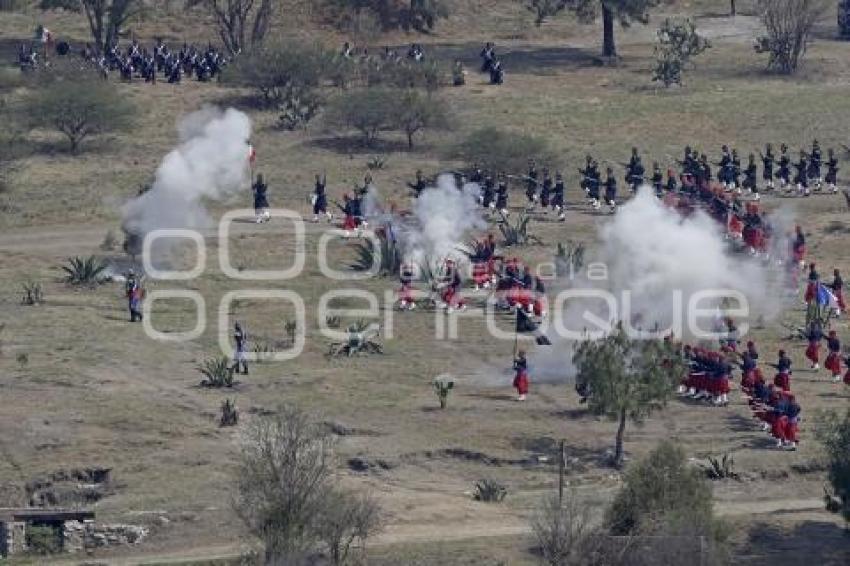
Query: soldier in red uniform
(833,360)
(815,335)
(521,376)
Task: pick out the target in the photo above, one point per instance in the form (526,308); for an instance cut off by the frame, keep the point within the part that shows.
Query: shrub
(833,432)
(678,43)
(78,107)
(84,271)
(489,491)
(563,530)
(789,25)
(363,110)
(345,518)
(499,150)
(43,539)
(285,76)
(662,484)
(372,111)
(285,492)
(415,112)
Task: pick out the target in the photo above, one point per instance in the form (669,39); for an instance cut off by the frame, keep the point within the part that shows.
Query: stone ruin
(75,530)
(58,501)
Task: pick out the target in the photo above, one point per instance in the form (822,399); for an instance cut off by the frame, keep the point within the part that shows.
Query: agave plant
(720,468)
(263,351)
(377,162)
(387,255)
(516,232)
(362,337)
(33,293)
(333,321)
(475,250)
(489,491)
(229,414)
(84,271)
(569,258)
(217,372)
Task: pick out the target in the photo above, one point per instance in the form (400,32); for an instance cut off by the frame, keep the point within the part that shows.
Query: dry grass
(96,391)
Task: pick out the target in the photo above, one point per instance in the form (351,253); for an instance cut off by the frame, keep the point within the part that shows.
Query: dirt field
(96,392)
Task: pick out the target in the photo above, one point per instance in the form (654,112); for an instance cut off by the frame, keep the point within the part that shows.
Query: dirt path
(502,525)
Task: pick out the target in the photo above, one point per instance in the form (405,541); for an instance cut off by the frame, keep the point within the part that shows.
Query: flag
(524,323)
(826,298)
(252,154)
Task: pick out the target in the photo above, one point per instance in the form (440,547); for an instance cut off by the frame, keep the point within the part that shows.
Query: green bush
(659,486)
(43,540)
(833,432)
(286,76)
(78,106)
(499,150)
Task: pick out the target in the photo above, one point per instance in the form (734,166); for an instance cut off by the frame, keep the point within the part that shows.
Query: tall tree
(105,17)
(625,377)
(588,11)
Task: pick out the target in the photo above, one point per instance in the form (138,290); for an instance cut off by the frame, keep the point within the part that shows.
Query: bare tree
(105,17)
(347,518)
(789,25)
(241,23)
(285,495)
(564,531)
(284,472)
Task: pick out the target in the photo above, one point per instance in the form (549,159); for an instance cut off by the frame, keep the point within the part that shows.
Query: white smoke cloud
(210,162)
(441,218)
(651,254)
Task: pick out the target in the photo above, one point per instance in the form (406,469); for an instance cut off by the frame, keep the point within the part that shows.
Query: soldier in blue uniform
(502,195)
(558,196)
(767,161)
(611,190)
(801,177)
(240,337)
(784,168)
(261,202)
(832,172)
(320,199)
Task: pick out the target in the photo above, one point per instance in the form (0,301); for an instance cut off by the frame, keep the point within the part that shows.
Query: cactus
(442,388)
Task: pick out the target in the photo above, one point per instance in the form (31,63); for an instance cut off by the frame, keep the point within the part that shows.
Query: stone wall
(13,538)
(83,535)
